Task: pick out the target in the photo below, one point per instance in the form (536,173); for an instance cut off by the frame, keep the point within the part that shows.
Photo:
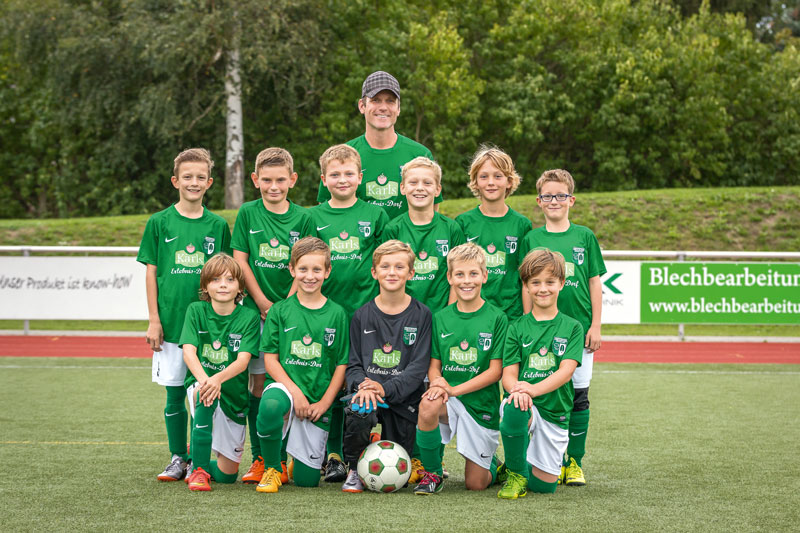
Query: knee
(581,400)
(476,484)
(514,422)
(429,409)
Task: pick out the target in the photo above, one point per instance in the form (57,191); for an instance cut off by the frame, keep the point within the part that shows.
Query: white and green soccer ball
(384,466)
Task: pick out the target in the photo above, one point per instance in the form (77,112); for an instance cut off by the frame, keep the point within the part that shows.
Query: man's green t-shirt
(466,343)
(268,238)
(381,183)
(431,243)
(179,247)
(500,237)
(352,234)
(310,344)
(539,347)
(219,340)
(583,260)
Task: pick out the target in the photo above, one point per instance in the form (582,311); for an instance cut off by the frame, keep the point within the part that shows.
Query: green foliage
(96,98)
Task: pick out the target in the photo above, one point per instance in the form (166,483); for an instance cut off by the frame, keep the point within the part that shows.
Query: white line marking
(76,367)
(712,372)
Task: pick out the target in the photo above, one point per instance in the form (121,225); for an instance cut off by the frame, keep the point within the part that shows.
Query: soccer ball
(384,466)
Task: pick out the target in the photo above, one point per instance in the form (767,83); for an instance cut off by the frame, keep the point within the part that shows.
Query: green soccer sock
(274,406)
(415,453)
(493,469)
(537,485)
(578,428)
(337,429)
(176,418)
(429,443)
(304,475)
(513,428)
(201,435)
(252,416)
(220,476)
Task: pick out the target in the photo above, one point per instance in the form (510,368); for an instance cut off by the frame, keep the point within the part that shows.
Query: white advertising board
(72,288)
(622,292)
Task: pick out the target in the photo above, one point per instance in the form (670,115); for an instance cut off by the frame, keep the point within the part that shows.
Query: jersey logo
(172,239)
(294,236)
(543,360)
(234,341)
(189,258)
(578,255)
(252,232)
(320,228)
(285,330)
(274,251)
(485,341)
(330,336)
(306,348)
(386,357)
(463,354)
(381,190)
(445,335)
(443,247)
(365,228)
(216,353)
(495,258)
(344,243)
(559,346)
(526,345)
(425,264)
(409,335)
(470,239)
(208,245)
(511,244)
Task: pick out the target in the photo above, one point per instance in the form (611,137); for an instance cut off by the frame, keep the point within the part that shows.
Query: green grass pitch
(671,448)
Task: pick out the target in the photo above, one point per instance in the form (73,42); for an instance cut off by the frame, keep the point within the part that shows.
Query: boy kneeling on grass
(218,339)
(543,349)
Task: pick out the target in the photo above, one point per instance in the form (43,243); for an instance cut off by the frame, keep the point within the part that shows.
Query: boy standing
(176,244)
(430,235)
(352,229)
(390,343)
(542,350)
(305,347)
(263,236)
(383,151)
(466,364)
(582,297)
(496,227)
(218,339)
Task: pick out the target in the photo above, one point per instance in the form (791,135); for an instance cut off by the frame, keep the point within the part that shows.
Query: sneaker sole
(169,478)
(575,483)
(352,491)
(199,489)
(266,490)
(516,496)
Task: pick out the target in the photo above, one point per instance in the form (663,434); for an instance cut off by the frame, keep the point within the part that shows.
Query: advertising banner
(72,288)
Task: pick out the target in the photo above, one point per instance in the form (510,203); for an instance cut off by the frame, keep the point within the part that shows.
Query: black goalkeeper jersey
(394,350)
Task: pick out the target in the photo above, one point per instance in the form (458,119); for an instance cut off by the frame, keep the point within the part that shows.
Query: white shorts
(169,370)
(548,442)
(473,441)
(227,437)
(256,364)
(583,374)
(306,440)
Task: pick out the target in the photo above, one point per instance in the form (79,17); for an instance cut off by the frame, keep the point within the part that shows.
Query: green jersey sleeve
(190,327)
(148,249)
(250,338)
(512,351)
(597,266)
(270,338)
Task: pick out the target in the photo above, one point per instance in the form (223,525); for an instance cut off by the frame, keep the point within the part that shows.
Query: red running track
(612,352)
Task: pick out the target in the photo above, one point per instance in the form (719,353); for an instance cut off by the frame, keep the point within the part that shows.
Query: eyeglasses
(550,197)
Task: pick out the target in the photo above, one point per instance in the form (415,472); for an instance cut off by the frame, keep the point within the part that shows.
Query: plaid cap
(379,81)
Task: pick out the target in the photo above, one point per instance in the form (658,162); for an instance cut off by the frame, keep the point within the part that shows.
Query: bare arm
(155,332)
(193,363)
(596,295)
(212,388)
(551,382)
(316,410)
(251,284)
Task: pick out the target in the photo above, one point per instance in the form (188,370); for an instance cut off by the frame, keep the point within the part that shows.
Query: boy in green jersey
(496,227)
(582,298)
(352,229)
(218,339)
(263,236)
(176,244)
(383,151)
(543,349)
(466,363)
(429,234)
(305,344)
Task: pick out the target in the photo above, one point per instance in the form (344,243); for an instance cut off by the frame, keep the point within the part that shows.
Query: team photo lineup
(306,329)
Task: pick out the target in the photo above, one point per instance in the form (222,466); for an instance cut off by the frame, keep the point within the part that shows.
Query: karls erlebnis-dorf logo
(306,348)
(463,354)
(386,357)
(543,360)
(274,251)
(190,257)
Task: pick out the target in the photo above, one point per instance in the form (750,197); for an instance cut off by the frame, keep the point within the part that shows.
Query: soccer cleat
(430,484)
(574,474)
(270,481)
(445,473)
(516,486)
(189,468)
(502,474)
(199,480)
(562,476)
(284,473)
(335,471)
(255,473)
(175,470)
(417,471)
(289,469)
(353,482)
(374,437)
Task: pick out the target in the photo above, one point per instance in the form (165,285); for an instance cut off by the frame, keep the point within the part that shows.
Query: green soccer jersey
(310,344)
(179,247)
(583,260)
(352,234)
(219,340)
(381,183)
(431,243)
(500,237)
(465,343)
(269,238)
(539,347)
